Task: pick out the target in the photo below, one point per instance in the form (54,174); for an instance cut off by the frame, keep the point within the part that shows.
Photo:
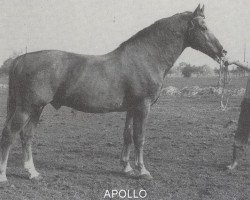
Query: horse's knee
(26,140)
(139,139)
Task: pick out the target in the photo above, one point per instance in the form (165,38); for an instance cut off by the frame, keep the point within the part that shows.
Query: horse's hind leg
(26,139)
(128,138)
(12,127)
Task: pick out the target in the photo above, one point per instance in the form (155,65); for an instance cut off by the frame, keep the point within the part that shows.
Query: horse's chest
(148,88)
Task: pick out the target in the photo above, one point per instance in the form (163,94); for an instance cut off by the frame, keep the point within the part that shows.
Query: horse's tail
(11,100)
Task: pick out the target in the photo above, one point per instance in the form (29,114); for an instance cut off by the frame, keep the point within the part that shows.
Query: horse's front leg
(127,136)
(139,122)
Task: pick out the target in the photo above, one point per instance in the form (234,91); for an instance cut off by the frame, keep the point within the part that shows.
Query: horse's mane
(167,25)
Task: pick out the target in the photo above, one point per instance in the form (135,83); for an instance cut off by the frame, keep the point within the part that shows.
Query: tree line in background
(182,69)
(187,70)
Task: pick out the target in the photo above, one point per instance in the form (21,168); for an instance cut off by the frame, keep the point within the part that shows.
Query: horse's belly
(98,107)
(97,101)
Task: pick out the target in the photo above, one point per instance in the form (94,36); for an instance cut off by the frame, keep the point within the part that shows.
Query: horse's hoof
(229,167)
(36,178)
(129,173)
(232,166)
(146,177)
(3,179)
(4,183)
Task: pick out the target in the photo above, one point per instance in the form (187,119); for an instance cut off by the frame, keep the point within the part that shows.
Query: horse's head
(201,38)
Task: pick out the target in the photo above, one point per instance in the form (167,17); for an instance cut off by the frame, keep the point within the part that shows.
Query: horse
(128,79)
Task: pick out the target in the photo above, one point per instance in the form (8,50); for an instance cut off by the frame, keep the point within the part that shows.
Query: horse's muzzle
(220,55)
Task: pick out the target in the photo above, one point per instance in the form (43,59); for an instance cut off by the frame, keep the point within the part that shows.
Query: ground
(188,146)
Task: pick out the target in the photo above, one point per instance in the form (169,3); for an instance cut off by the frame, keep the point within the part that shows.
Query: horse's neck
(171,51)
(159,49)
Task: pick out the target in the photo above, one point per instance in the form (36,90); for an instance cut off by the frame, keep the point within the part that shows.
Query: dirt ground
(188,145)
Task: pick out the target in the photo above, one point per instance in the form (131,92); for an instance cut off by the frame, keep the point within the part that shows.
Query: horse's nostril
(224,52)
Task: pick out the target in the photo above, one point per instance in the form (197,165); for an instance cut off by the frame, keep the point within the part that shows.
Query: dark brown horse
(128,79)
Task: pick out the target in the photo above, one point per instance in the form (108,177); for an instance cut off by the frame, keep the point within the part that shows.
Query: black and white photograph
(124,99)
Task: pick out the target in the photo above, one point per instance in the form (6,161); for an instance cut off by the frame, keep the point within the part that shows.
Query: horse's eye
(204,28)
(203,25)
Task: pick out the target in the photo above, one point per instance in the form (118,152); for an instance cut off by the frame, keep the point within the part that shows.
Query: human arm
(242,65)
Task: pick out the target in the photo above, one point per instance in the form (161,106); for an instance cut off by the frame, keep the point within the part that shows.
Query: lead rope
(224,80)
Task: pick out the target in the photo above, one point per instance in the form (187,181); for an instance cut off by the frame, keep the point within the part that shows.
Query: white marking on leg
(3,171)
(3,166)
(30,167)
(128,168)
(233,165)
(3,178)
(143,171)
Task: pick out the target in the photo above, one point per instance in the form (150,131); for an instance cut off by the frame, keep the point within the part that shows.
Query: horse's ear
(202,11)
(197,11)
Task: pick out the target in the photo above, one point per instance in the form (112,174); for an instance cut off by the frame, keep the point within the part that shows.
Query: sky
(99,26)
